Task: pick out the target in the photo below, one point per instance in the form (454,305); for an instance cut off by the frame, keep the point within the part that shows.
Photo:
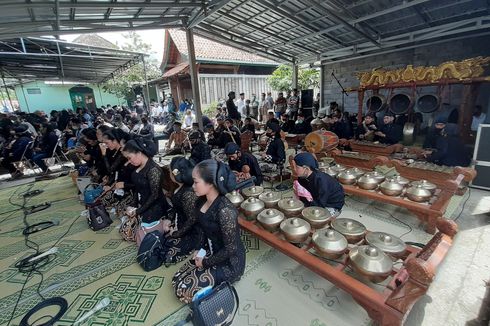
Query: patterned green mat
(93,265)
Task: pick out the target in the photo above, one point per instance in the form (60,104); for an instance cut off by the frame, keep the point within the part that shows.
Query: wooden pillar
(468,101)
(322,87)
(295,75)
(193,70)
(360,97)
(180,97)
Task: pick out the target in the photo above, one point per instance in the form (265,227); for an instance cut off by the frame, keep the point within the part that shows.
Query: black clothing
(232,110)
(114,163)
(250,127)
(149,199)
(393,132)
(342,129)
(48,143)
(287,126)
(226,138)
(200,152)
(302,128)
(273,120)
(450,151)
(206,121)
(364,129)
(250,160)
(275,150)
(325,190)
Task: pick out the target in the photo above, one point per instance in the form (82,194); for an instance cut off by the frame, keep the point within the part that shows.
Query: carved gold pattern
(461,70)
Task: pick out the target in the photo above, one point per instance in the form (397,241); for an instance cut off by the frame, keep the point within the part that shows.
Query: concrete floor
(455,296)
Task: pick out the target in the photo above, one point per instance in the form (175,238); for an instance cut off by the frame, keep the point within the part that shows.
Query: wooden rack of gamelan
(405,285)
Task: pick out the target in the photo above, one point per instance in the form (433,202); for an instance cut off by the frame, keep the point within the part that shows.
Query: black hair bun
(181,168)
(225,179)
(146,146)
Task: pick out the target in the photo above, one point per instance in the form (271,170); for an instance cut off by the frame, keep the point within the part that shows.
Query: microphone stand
(344,92)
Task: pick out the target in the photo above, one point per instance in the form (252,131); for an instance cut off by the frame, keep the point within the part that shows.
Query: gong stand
(406,284)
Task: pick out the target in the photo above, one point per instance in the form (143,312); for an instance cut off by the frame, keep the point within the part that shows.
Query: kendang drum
(321,141)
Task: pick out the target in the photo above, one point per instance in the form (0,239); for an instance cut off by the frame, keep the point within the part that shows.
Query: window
(33,91)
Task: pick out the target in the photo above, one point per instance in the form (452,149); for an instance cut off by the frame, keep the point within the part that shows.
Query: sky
(153,37)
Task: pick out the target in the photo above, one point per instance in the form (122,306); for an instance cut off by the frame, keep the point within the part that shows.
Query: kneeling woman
(147,179)
(120,187)
(184,237)
(218,220)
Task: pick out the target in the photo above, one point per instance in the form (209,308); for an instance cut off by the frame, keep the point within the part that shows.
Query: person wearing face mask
(230,134)
(286,124)
(367,128)
(301,127)
(325,191)
(195,128)
(217,219)
(274,152)
(176,139)
(200,151)
(244,164)
(149,200)
(448,149)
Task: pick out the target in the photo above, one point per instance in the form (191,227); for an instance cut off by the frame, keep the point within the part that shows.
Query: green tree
(121,85)
(282,78)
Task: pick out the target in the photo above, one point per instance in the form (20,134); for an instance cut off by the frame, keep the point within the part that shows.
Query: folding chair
(55,157)
(24,162)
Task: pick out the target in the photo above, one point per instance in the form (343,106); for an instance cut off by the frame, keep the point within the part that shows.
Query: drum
(321,141)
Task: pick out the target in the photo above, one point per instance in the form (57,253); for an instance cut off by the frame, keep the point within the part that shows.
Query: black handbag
(98,218)
(150,251)
(218,308)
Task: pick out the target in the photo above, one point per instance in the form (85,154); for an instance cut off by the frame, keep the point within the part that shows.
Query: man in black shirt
(243,162)
(389,133)
(230,134)
(200,151)
(326,191)
(301,127)
(232,108)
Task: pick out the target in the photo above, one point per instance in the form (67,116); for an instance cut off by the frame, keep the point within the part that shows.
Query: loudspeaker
(481,156)
(307,98)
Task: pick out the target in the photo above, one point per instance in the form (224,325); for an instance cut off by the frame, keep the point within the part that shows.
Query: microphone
(101,305)
(44,254)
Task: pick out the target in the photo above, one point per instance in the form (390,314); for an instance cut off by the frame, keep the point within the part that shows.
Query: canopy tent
(301,31)
(25,59)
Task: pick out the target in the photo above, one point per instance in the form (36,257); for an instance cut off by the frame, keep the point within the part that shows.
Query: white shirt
(477,121)
(188,120)
(241,107)
(156,111)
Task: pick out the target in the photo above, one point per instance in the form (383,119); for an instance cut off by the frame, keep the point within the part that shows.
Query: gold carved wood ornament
(462,70)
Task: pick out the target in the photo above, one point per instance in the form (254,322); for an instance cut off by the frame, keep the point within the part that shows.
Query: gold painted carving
(468,68)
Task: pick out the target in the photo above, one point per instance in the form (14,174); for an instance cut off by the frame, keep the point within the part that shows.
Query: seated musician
(248,126)
(302,126)
(389,133)
(325,191)
(448,150)
(200,151)
(271,118)
(274,150)
(286,124)
(244,164)
(214,134)
(177,138)
(231,133)
(195,128)
(367,128)
(341,127)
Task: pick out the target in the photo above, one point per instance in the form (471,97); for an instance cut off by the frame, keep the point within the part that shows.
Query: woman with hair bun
(149,200)
(184,237)
(217,219)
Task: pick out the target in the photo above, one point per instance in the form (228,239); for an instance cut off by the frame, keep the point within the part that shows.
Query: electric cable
(464,203)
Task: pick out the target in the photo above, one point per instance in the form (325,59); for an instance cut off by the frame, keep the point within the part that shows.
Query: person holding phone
(217,219)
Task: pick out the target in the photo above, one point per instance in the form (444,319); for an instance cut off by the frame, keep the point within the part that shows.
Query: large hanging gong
(428,103)
(376,103)
(400,103)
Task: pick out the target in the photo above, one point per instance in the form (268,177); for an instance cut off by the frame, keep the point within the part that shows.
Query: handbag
(98,218)
(150,251)
(91,195)
(142,231)
(128,228)
(217,307)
